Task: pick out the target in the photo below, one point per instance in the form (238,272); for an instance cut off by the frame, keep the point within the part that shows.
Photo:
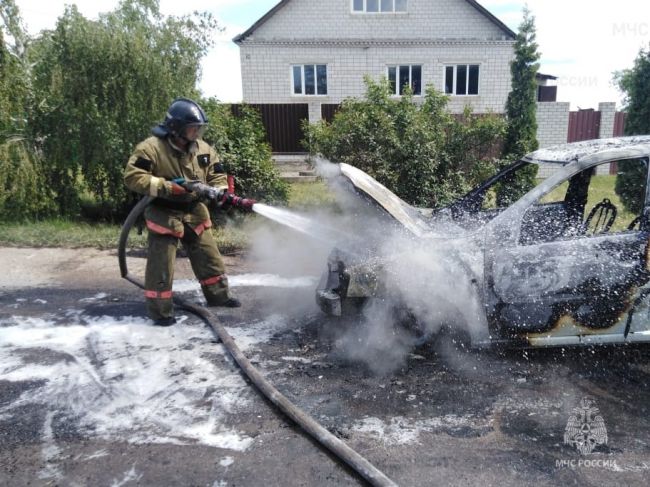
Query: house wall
(266,70)
(552,129)
(432,33)
(334,19)
(607,115)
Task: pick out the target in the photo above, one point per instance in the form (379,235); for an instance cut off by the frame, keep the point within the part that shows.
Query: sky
(581,41)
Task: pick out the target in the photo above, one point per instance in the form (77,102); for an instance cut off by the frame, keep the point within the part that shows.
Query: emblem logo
(204,160)
(586,428)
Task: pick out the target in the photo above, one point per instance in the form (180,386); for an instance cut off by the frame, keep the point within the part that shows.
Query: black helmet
(182,113)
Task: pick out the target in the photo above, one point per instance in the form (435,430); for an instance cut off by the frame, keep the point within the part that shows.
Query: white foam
(403,431)
(302,360)
(249,280)
(257,332)
(271,280)
(94,298)
(127,380)
(130,476)
(49,452)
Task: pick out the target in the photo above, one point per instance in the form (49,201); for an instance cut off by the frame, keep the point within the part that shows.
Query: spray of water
(431,276)
(325,233)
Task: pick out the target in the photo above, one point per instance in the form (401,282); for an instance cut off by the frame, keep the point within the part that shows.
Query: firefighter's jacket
(150,170)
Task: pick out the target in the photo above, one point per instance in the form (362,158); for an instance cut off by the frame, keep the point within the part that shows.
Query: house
(304,57)
(546,87)
(317,52)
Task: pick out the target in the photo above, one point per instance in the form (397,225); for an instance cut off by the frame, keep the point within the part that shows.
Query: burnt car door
(568,268)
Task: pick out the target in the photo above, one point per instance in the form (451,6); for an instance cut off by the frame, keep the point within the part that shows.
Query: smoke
(375,339)
(438,280)
(427,283)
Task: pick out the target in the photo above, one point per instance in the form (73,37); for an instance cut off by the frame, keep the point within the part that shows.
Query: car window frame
(645,213)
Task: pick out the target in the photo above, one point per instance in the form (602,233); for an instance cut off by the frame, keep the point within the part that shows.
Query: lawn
(74,234)
(600,187)
(234,237)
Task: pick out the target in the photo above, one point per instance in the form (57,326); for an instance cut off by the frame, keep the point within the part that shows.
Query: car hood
(408,216)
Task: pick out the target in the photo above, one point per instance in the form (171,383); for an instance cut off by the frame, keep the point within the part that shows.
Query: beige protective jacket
(149,171)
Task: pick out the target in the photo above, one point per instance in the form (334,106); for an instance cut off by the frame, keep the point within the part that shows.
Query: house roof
(241,37)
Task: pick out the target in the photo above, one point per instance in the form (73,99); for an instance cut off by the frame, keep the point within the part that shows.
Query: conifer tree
(521,107)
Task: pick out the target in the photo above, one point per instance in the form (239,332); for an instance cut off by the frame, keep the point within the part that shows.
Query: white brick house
(315,52)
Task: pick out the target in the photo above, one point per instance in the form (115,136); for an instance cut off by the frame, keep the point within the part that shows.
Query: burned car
(567,263)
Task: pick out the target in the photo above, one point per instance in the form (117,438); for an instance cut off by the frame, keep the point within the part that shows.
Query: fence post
(607,114)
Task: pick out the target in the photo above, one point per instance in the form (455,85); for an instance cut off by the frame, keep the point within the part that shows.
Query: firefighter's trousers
(207,265)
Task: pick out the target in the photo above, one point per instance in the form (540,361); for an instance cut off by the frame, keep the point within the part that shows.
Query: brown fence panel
(283,124)
(619,124)
(583,125)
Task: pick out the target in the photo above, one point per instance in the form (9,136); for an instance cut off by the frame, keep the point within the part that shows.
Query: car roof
(565,153)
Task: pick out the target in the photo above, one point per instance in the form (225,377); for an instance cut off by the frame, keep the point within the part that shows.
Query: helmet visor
(195,131)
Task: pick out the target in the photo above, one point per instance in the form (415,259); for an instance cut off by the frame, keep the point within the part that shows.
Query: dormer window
(379,6)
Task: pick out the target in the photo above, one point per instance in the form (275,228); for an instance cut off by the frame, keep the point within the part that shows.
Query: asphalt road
(92,394)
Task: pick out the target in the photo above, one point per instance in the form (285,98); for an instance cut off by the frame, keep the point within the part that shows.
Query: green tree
(631,183)
(23,193)
(246,155)
(521,106)
(99,86)
(635,85)
(420,151)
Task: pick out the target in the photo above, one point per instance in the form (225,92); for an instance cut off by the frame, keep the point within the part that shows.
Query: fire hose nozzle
(222,197)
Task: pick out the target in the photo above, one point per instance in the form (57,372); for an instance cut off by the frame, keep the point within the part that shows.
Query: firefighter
(158,166)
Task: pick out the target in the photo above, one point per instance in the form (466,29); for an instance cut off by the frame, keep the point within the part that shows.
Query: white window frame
(379,11)
(397,68)
(302,79)
(454,87)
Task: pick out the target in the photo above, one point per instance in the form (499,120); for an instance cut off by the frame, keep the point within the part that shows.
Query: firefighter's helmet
(183,114)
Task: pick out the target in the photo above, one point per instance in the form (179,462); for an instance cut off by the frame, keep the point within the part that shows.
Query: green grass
(235,236)
(600,187)
(74,234)
(305,196)
(69,234)
(63,233)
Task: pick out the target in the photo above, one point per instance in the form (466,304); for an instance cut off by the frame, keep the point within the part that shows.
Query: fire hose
(342,451)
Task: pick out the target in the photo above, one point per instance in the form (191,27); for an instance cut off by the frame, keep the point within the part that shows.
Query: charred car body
(568,263)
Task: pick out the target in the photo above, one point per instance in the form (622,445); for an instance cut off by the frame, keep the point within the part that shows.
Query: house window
(405,75)
(378,6)
(309,79)
(461,79)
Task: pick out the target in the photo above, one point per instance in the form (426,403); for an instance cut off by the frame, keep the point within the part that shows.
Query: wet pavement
(92,394)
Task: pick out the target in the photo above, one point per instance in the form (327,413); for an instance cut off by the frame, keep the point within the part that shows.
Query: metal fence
(282,123)
(583,125)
